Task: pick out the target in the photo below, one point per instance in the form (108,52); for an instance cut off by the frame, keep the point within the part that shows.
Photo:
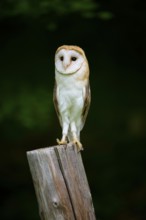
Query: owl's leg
(64,134)
(76,137)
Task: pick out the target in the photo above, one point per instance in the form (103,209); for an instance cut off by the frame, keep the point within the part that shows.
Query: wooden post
(60,183)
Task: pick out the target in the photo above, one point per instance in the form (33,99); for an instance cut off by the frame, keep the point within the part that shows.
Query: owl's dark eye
(61,58)
(73,58)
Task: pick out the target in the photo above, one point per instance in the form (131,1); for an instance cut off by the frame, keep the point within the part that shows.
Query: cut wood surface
(60,183)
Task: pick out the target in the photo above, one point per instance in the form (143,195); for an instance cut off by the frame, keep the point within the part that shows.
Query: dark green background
(113,35)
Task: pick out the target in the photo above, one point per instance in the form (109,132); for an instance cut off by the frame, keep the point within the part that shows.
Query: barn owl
(71,92)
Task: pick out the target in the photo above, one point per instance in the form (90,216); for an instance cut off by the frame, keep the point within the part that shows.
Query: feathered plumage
(71,92)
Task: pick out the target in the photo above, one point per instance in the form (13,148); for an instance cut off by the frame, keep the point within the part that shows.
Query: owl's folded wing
(55,100)
(87,101)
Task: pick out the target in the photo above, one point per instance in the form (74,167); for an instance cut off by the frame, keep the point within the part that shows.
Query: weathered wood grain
(60,183)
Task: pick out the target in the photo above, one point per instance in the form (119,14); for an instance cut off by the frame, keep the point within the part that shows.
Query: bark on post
(60,184)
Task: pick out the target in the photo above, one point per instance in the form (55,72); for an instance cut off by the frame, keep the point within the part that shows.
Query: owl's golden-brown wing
(55,100)
(87,101)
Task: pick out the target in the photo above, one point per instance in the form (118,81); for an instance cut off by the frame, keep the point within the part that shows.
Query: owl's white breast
(70,94)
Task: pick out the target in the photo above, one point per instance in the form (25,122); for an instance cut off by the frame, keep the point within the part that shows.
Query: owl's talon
(78,144)
(62,142)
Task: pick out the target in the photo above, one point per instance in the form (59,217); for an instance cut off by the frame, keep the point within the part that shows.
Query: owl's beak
(66,65)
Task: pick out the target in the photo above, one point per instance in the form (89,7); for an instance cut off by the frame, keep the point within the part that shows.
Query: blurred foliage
(30,107)
(49,12)
(113,36)
(40,8)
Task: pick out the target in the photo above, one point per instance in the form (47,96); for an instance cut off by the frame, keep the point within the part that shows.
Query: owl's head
(69,59)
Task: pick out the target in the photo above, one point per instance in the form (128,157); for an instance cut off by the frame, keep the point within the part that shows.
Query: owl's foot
(61,142)
(78,145)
